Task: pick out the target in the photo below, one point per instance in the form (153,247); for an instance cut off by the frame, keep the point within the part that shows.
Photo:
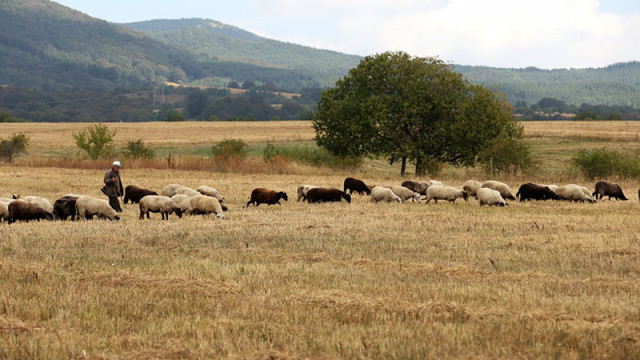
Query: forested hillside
(617,84)
(45,45)
(61,65)
(227,42)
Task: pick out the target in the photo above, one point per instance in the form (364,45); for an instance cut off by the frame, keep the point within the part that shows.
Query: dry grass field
(533,280)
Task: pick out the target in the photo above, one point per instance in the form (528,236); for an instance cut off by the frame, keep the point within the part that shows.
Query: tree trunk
(403,166)
(419,168)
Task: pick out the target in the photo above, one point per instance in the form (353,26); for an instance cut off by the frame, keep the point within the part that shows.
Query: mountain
(46,45)
(227,42)
(617,84)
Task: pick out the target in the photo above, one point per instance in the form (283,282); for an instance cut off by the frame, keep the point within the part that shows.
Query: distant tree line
(554,109)
(143,104)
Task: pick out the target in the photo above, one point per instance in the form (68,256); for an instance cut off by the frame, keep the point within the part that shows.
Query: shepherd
(113,185)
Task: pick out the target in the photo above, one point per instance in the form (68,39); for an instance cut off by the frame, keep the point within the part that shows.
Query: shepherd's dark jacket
(112,188)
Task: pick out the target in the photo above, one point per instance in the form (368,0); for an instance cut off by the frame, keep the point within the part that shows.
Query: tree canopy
(411,109)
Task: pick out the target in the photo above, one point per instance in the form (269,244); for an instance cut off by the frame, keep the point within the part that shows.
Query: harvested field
(532,280)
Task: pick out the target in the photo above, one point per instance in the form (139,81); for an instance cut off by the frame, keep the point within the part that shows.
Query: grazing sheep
(451,194)
(355,185)
(405,193)
(530,191)
(380,193)
(574,192)
(604,188)
(417,186)
(44,203)
(490,197)
(266,196)
(209,191)
(503,188)
(158,204)
(553,187)
(177,198)
(471,187)
(173,189)
(202,204)
(87,207)
(21,210)
(302,191)
(135,194)
(320,195)
(4,211)
(65,207)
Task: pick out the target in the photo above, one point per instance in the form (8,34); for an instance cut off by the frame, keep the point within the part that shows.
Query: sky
(502,33)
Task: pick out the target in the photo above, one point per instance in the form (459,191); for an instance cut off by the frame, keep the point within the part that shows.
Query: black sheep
(604,188)
(22,210)
(355,185)
(135,194)
(530,191)
(319,195)
(65,207)
(266,196)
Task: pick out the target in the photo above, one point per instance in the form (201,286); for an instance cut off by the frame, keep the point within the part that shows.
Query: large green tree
(411,109)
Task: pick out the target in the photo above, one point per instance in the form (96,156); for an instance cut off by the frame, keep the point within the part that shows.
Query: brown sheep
(612,190)
(355,185)
(266,196)
(319,195)
(135,194)
(22,210)
(65,207)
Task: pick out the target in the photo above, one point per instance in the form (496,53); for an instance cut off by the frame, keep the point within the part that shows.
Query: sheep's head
(220,216)
(283,195)
(347,197)
(465,196)
(178,211)
(417,197)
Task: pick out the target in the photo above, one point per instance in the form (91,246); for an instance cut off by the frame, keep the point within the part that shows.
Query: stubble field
(534,280)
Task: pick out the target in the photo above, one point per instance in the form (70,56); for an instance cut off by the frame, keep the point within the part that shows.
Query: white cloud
(543,33)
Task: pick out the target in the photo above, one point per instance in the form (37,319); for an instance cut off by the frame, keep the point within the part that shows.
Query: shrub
(138,150)
(5,117)
(174,116)
(601,163)
(228,149)
(506,155)
(310,155)
(14,146)
(96,140)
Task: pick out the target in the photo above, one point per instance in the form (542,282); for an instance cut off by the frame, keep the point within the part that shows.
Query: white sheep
(42,202)
(380,193)
(173,189)
(158,204)
(4,211)
(6,200)
(574,192)
(177,198)
(503,188)
(302,191)
(584,190)
(471,187)
(202,204)
(87,207)
(209,191)
(490,197)
(451,194)
(405,193)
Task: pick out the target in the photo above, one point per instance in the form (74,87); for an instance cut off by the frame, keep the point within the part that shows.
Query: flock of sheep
(179,199)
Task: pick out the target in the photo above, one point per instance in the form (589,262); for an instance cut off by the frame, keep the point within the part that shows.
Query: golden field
(533,280)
